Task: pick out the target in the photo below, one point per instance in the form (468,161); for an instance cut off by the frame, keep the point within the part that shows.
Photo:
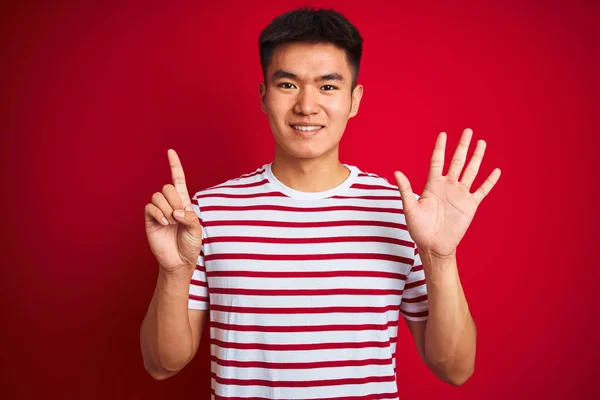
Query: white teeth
(307,128)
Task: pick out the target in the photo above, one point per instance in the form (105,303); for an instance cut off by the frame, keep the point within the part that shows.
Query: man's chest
(306,270)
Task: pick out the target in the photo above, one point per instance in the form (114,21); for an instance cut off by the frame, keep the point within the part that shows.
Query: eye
(331,88)
(285,85)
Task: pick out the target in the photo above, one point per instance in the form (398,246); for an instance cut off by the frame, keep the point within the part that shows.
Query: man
(304,266)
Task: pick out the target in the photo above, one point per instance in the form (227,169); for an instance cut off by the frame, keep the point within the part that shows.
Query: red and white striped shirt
(305,290)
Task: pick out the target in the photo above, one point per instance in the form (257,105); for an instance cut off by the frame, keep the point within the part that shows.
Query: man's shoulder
(367,181)
(251,179)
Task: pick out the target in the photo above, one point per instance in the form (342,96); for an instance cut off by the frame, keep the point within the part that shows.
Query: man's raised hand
(175,240)
(438,220)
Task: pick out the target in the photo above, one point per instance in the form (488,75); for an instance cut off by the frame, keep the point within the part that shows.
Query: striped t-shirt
(305,290)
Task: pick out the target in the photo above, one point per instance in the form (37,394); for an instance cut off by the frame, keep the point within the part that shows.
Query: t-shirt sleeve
(414,305)
(198,293)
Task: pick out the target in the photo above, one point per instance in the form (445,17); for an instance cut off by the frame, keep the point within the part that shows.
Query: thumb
(190,220)
(408,197)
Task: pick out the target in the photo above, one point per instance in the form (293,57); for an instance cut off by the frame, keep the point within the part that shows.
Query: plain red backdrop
(94,94)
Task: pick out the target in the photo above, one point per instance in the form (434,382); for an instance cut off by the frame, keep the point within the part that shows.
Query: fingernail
(179,213)
(164,221)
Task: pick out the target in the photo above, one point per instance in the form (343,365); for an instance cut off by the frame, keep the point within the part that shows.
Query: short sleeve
(198,293)
(414,305)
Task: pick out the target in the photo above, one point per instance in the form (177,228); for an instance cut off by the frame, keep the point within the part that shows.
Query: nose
(307,101)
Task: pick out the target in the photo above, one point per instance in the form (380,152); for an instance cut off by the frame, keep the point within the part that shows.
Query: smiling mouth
(307,129)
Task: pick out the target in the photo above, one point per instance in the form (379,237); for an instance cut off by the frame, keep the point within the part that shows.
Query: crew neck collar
(296,194)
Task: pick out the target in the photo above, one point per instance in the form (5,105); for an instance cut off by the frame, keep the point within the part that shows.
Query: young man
(304,267)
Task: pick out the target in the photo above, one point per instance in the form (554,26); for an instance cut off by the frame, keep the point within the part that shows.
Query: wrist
(184,272)
(438,268)
(437,257)
(433,259)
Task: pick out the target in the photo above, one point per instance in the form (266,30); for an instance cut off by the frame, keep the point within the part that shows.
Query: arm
(446,342)
(437,222)
(171,330)
(170,333)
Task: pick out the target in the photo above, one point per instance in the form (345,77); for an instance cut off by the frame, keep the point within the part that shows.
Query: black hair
(313,26)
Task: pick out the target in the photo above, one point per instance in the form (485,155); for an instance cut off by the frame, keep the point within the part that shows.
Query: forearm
(450,333)
(166,336)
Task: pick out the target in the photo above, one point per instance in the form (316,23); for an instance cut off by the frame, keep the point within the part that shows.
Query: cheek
(337,109)
(277,104)
(277,117)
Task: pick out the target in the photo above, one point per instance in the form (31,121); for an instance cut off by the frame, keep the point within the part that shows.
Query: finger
(460,154)
(159,200)
(437,158)
(473,167)
(408,198)
(190,220)
(172,197)
(486,186)
(153,214)
(179,178)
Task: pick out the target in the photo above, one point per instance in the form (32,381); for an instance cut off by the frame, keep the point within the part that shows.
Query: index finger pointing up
(179,179)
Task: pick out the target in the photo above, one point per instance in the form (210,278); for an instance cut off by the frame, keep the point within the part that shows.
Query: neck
(309,175)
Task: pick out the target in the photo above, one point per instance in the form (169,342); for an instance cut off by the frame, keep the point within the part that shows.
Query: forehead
(309,60)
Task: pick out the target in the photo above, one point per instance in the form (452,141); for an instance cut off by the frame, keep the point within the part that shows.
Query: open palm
(438,220)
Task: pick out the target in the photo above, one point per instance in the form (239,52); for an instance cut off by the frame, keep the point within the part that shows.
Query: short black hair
(312,26)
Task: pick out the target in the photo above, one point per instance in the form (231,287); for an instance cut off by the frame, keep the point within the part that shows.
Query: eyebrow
(334,76)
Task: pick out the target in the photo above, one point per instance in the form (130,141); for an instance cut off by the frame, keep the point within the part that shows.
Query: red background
(93,95)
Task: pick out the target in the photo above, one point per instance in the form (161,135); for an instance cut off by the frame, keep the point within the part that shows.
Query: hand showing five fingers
(175,241)
(438,220)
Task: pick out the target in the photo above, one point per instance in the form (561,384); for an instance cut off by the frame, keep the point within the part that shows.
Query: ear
(356,97)
(262,90)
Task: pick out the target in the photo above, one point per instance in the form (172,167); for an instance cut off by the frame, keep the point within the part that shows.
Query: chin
(305,152)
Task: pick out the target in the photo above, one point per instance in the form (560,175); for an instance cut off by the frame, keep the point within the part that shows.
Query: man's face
(308,97)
